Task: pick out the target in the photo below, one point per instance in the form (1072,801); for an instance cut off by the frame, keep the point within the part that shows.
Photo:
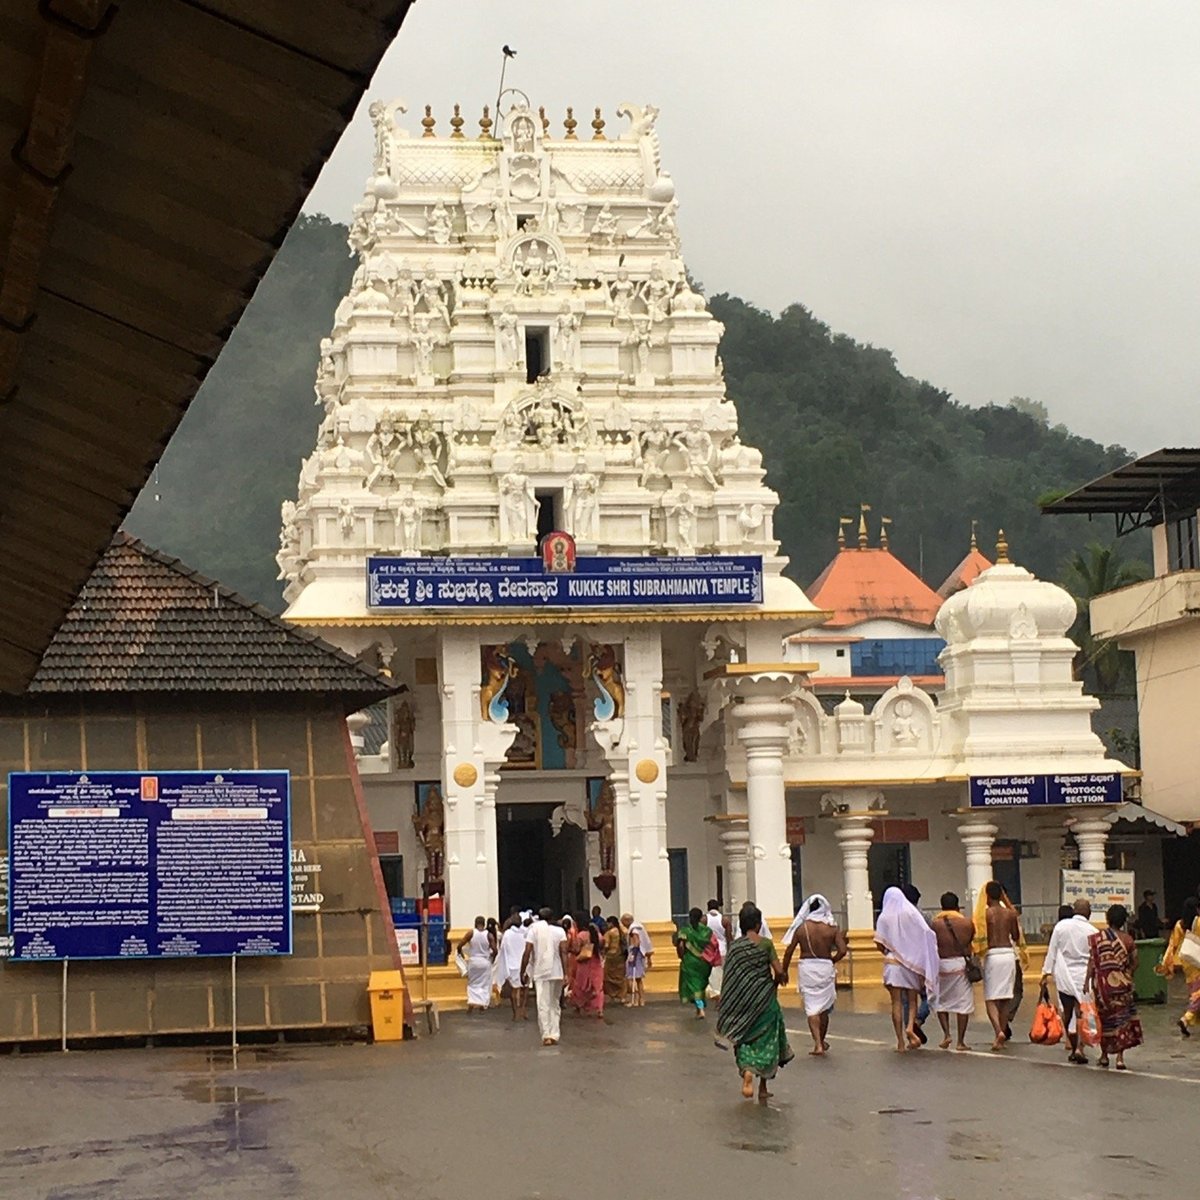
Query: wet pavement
(639,1105)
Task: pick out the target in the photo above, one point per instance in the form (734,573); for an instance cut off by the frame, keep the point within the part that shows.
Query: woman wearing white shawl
(911,962)
(821,944)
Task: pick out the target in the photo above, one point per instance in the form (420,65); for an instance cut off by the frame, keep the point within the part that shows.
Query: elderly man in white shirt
(1067,963)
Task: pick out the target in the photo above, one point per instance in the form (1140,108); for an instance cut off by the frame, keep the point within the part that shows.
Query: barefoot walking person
(1109,978)
(750,1021)
(637,961)
(697,948)
(512,950)
(722,929)
(910,962)
(1067,958)
(1002,926)
(587,983)
(1173,960)
(480,946)
(545,962)
(815,935)
(614,947)
(956,995)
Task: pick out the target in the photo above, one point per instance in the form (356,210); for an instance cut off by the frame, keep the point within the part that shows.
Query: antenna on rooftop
(508,52)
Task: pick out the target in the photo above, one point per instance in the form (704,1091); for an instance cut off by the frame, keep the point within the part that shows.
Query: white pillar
(854,834)
(762,728)
(1050,846)
(1091,835)
(735,841)
(472,748)
(977,838)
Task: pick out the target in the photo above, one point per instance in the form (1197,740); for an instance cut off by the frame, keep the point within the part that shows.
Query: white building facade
(521,354)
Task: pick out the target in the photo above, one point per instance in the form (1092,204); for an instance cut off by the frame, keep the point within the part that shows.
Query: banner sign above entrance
(706,580)
(1021,791)
(131,864)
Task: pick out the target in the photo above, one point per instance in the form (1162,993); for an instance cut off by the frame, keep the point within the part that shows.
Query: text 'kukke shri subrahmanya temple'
(648,712)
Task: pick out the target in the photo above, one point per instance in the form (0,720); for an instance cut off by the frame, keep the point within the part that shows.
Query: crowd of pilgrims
(930,966)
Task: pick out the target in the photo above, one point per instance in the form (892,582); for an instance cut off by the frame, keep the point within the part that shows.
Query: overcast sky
(1004,194)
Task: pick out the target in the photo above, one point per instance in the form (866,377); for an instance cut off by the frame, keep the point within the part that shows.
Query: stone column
(977,838)
(637,755)
(762,727)
(735,841)
(854,835)
(1091,835)
(472,749)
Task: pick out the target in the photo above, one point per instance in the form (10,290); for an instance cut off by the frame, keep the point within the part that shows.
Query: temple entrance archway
(536,867)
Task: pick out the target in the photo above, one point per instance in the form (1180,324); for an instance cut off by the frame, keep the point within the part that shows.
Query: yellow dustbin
(386,989)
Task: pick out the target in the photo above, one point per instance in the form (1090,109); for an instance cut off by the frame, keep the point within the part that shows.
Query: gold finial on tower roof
(884,522)
(545,120)
(569,124)
(974,540)
(842,523)
(1001,548)
(863,509)
(456,123)
(485,124)
(598,126)
(428,122)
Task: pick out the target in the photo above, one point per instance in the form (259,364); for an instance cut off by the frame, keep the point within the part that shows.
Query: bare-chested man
(955,933)
(821,945)
(1000,966)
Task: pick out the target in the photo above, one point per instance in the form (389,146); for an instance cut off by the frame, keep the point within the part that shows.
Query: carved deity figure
(579,501)
(904,729)
(622,290)
(604,228)
(408,523)
(535,269)
(654,445)
(433,293)
(657,292)
(430,826)
(345,517)
(428,445)
(424,339)
(697,446)
(685,521)
(518,506)
(404,727)
(438,224)
(571,218)
(642,341)
(508,333)
(289,541)
(546,420)
(384,444)
(567,325)
(603,820)
(691,714)
(404,292)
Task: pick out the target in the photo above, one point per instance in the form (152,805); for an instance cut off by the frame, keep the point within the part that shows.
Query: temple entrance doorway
(535,867)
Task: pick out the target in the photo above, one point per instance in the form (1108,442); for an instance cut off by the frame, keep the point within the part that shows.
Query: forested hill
(837,422)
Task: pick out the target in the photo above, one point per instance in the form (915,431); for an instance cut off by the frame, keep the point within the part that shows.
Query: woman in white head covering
(910,962)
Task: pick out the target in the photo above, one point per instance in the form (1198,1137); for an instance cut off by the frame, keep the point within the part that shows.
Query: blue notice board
(129,864)
(709,580)
(1023,791)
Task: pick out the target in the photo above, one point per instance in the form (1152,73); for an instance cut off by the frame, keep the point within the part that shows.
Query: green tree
(1090,573)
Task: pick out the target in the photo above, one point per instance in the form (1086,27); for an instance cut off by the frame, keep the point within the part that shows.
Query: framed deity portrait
(422,788)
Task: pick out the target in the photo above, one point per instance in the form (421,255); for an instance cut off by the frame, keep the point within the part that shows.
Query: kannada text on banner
(709,580)
(176,864)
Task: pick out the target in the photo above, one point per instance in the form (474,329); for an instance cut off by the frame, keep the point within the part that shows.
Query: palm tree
(1091,572)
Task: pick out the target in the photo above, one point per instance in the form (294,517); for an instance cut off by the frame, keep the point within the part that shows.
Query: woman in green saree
(751,1021)
(697,950)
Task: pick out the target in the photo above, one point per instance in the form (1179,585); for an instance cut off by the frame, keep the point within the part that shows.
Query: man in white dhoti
(722,930)
(512,951)
(954,934)
(545,962)
(814,933)
(479,947)
(1003,925)
(1066,963)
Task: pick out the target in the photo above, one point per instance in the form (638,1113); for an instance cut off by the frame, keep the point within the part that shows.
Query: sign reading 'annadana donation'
(1022,791)
(138,865)
(709,580)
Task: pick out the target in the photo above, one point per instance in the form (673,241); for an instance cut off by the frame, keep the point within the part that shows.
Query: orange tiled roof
(967,571)
(871,583)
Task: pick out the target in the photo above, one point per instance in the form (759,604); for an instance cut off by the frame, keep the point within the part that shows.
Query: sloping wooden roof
(145,622)
(160,151)
(868,582)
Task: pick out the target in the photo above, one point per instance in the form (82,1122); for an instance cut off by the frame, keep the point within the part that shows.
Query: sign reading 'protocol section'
(705,580)
(179,864)
(1023,791)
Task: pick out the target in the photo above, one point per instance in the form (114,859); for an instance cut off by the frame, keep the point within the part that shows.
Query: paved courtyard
(641,1105)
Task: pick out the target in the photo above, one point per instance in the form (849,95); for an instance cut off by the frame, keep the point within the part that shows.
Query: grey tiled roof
(144,622)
